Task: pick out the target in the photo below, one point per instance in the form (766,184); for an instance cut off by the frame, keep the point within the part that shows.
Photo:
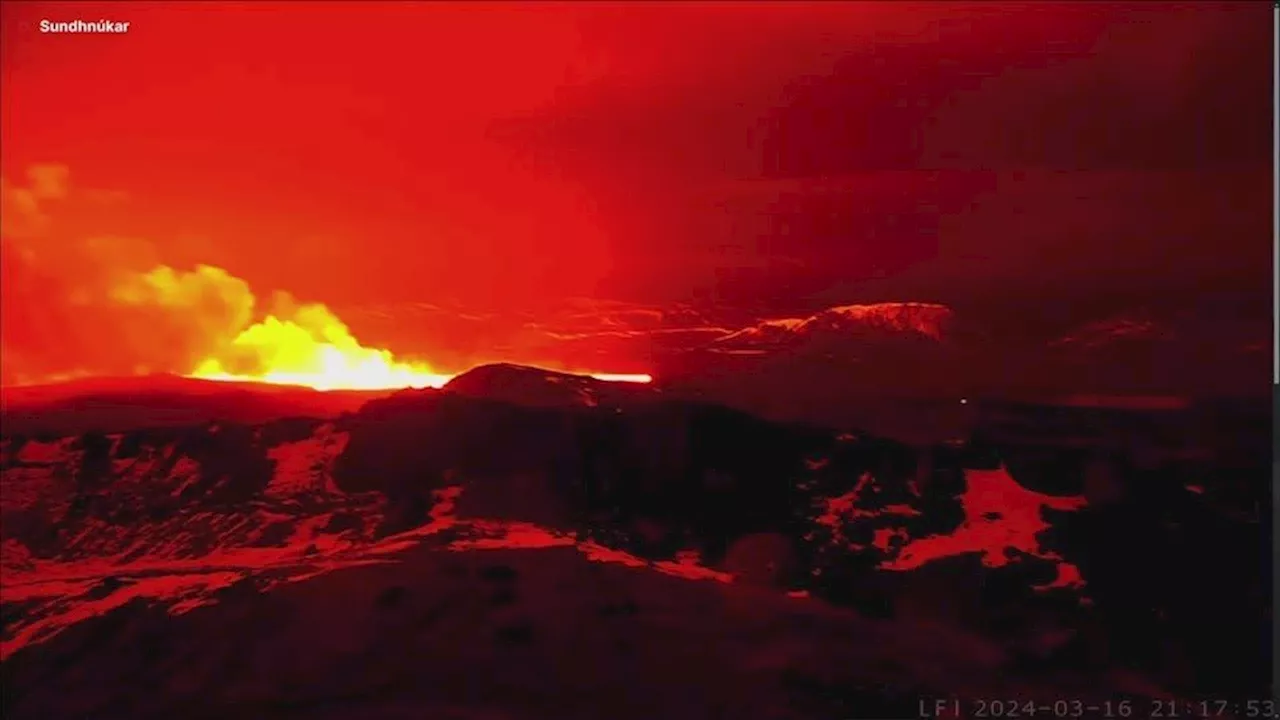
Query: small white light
(964,401)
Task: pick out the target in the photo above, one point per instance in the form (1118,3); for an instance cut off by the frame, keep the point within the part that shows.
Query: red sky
(420,167)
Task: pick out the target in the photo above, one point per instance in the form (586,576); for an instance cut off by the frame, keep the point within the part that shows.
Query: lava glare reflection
(313,348)
(377,377)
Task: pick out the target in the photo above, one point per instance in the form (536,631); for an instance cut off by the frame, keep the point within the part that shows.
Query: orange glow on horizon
(394,377)
(309,346)
(622,377)
(374,377)
(313,348)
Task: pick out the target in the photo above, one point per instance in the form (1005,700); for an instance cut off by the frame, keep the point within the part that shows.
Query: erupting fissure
(325,356)
(377,375)
(312,349)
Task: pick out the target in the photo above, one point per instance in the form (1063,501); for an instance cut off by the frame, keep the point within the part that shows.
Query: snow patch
(1002,518)
(306,466)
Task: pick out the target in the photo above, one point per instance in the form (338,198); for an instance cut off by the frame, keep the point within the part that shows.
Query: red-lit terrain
(131,402)
(635,361)
(441,552)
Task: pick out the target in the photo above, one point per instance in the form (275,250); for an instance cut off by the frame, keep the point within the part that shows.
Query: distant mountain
(1138,354)
(832,366)
(848,323)
(823,368)
(1111,331)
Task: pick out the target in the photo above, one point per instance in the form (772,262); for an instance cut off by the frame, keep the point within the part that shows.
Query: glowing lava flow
(622,377)
(334,370)
(313,348)
(319,352)
(374,376)
(364,378)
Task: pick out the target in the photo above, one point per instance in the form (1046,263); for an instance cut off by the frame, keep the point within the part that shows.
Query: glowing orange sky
(283,141)
(331,152)
(552,182)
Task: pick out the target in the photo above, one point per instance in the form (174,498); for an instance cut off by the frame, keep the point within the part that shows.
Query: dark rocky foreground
(507,634)
(956,570)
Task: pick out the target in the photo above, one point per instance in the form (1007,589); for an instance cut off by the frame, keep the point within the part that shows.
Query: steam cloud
(77,304)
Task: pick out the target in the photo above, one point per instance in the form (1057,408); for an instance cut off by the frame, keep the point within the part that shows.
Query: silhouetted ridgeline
(120,404)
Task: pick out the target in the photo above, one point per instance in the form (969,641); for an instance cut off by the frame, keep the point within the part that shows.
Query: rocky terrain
(438,553)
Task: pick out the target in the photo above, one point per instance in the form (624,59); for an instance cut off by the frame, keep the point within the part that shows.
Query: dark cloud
(942,152)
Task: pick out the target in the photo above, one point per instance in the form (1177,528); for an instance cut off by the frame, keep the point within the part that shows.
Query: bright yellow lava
(392,379)
(337,361)
(314,349)
(622,377)
(375,377)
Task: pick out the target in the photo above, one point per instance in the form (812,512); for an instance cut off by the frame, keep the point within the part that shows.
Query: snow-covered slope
(866,323)
(218,514)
